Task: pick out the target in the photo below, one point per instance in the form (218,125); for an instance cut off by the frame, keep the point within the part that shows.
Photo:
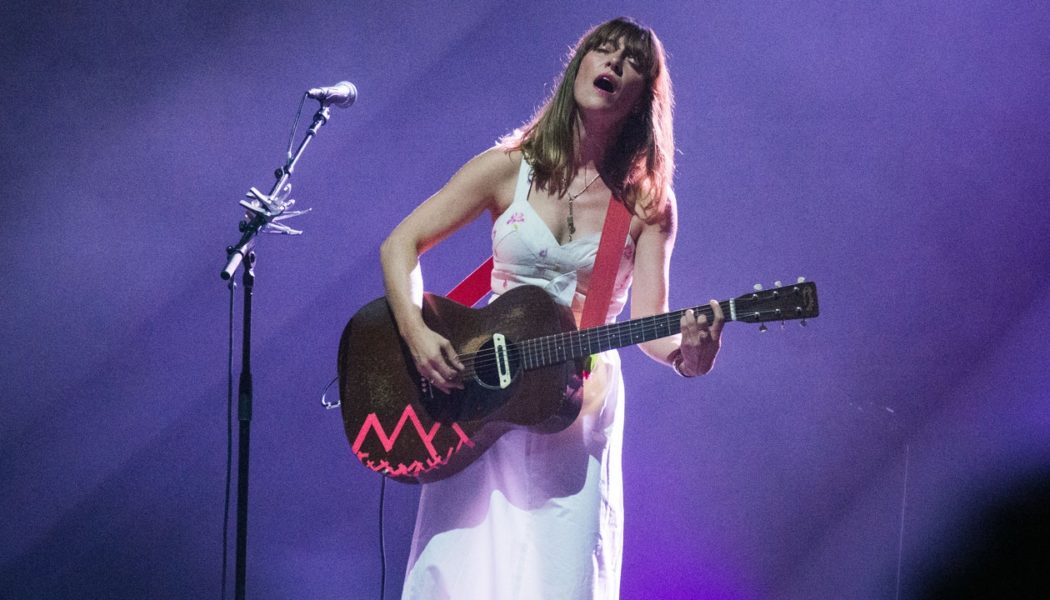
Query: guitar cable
(382,500)
(382,540)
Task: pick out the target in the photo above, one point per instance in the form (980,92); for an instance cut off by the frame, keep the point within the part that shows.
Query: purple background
(896,154)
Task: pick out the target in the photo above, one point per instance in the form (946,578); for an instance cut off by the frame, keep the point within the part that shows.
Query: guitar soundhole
(482,393)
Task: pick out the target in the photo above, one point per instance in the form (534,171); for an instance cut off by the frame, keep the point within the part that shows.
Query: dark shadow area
(1004,552)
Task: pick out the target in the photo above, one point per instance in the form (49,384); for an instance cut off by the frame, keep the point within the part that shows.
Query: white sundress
(538,516)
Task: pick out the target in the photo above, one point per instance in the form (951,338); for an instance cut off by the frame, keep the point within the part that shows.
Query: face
(609,83)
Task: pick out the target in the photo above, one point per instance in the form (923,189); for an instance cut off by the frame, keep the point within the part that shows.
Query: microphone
(341,94)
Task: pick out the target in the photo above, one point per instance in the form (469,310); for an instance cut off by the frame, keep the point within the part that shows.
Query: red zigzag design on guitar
(372,423)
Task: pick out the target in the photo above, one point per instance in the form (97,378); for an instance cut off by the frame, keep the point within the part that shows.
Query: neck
(593,137)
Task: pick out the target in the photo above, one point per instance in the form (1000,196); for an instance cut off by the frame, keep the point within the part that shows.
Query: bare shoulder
(491,170)
(493,174)
(498,162)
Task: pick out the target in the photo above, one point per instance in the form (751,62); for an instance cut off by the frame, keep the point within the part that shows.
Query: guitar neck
(797,301)
(543,351)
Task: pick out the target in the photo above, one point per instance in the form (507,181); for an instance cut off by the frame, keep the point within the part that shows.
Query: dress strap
(477,285)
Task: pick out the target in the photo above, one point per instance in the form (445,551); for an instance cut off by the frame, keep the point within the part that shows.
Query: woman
(540,515)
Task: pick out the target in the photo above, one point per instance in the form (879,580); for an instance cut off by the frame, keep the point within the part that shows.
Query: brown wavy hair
(639,166)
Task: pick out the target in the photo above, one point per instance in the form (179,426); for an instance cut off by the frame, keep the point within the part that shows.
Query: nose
(615,62)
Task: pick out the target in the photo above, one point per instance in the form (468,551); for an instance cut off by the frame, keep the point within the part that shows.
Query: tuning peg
(801,280)
(777,283)
(762,328)
(757,287)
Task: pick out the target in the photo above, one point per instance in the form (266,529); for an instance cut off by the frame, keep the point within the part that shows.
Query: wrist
(410,323)
(677,360)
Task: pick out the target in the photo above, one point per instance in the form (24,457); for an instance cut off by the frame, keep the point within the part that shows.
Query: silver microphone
(341,94)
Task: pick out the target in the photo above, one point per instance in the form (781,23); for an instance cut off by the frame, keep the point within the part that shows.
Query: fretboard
(551,349)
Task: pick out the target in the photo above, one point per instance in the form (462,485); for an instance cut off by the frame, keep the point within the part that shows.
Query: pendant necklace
(568,220)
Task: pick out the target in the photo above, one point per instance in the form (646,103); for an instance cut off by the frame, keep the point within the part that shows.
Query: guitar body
(401,426)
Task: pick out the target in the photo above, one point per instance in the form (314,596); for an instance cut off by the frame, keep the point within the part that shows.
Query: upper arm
(652,261)
(476,187)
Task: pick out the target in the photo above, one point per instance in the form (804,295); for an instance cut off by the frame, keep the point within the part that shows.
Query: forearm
(663,350)
(403,282)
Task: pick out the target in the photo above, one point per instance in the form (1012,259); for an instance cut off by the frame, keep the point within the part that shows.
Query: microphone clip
(271,209)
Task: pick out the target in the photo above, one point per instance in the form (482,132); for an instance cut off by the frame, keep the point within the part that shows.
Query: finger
(441,382)
(688,324)
(451,357)
(442,373)
(435,377)
(444,387)
(719,321)
(702,321)
(437,369)
(452,367)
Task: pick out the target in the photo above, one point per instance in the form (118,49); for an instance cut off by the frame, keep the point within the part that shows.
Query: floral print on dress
(518,217)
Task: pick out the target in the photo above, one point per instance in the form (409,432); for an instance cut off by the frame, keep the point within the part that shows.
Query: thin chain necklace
(569,220)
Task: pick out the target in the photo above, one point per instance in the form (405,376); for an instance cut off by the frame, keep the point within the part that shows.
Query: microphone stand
(267,210)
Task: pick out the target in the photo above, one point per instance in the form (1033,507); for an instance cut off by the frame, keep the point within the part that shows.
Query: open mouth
(605,83)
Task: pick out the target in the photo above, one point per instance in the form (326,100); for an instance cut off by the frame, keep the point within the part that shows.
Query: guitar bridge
(499,347)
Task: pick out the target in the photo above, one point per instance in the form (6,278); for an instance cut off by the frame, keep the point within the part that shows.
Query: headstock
(783,303)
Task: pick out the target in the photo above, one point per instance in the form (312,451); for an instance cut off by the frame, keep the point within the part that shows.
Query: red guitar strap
(472,289)
(606,264)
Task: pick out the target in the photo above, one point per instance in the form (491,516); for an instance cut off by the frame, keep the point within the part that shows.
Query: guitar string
(552,342)
(605,333)
(552,345)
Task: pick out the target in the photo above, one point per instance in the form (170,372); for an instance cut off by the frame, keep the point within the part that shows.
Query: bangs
(637,41)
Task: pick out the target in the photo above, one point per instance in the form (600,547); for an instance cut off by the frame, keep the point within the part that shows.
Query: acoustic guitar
(524,360)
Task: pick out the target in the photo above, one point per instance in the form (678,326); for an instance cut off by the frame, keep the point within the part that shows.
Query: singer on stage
(540,516)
